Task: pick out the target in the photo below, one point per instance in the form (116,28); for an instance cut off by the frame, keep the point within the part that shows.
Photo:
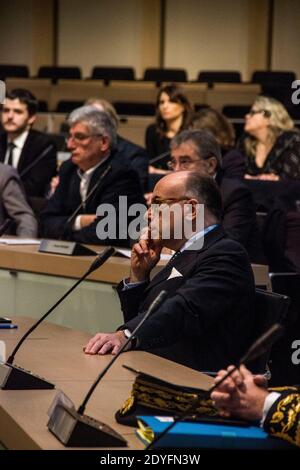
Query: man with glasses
(198,150)
(207,317)
(95,174)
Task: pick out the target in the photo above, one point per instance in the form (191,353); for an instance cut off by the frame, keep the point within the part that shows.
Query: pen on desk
(7,326)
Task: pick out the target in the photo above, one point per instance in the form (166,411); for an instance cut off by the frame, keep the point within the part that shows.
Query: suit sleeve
(17,208)
(36,181)
(198,304)
(239,215)
(283,419)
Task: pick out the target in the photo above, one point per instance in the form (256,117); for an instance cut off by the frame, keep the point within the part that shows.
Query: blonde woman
(272,143)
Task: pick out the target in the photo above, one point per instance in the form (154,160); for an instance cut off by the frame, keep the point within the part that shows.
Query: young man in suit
(208,315)
(246,396)
(31,152)
(96,174)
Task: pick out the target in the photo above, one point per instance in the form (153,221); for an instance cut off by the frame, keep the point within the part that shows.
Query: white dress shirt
(19,144)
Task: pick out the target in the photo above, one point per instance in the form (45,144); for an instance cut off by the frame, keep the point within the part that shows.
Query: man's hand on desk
(104,343)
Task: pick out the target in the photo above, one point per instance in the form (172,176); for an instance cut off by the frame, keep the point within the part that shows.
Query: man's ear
(31,120)
(104,143)
(211,164)
(190,209)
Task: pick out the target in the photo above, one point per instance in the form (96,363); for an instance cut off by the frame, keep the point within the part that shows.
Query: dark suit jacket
(283,418)
(120,181)
(239,219)
(206,322)
(138,158)
(38,178)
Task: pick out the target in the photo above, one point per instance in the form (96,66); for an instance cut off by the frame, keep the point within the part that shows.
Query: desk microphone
(83,203)
(16,378)
(73,428)
(259,347)
(36,161)
(7,223)
(160,157)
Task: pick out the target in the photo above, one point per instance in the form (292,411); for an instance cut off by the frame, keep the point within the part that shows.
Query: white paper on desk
(127,253)
(19,241)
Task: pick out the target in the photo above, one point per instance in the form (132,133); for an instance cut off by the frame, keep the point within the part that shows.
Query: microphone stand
(62,247)
(256,350)
(16,378)
(86,431)
(159,157)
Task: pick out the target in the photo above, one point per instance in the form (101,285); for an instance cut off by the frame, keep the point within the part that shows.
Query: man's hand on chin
(105,343)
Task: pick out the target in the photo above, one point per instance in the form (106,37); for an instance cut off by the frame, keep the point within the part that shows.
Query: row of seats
(130,92)
(154,74)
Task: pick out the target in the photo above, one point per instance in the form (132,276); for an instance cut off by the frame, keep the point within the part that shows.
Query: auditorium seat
(58,72)
(272,78)
(67,106)
(9,71)
(134,109)
(112,73)
(75,90)
(159,75)
(219,76)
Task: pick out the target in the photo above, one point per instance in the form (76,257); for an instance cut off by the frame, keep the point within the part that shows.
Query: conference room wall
(199,34)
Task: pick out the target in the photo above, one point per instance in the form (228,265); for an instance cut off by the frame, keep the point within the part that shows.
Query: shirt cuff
(129,285)
(77,223)
(269,401)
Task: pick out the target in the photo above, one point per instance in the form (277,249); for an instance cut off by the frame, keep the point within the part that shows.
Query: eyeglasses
(80,137)
(252,112)
(171,200)
(183,162)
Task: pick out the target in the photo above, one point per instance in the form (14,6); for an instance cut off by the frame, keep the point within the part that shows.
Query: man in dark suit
(95,175)
(31,152)
(246,396)
(198,150)
(208,315)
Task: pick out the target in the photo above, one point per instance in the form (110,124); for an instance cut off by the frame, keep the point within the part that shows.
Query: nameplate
(60,247)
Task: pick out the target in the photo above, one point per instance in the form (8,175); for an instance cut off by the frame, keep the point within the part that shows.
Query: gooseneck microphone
(86,431)
(7,223)
(259,347)
(36,161)
(83,203)
(159,157)
(15,378)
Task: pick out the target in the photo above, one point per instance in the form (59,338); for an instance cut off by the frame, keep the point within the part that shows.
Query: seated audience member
(272,143)
(91,142)
(173,114)
(208,314)
(13,205)
(136,155)
(233,161)
(246,396)
(198,150)
(21,146)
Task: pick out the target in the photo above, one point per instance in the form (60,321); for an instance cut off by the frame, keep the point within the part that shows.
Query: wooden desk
(55,352)
(32,282)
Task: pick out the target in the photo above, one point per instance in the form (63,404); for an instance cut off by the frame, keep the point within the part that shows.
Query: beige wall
(286,37)
(109,32)
(26,33)
(200,34)
(207,34)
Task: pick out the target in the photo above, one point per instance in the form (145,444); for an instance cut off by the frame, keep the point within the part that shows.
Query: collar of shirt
(20,140)
(85,178)
(197,236)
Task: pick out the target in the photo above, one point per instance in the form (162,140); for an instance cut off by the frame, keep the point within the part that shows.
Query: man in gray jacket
(13,204)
